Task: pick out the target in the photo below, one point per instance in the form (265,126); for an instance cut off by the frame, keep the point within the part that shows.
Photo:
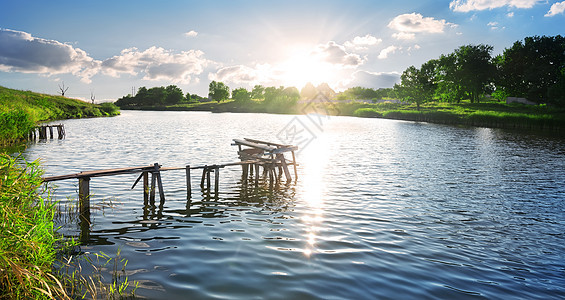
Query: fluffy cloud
(336,54)
(21,52)
(470,5)
(388,50)
(236,74)
(556,8)
(409,24)
(191,33)
(362,42)
(157,63)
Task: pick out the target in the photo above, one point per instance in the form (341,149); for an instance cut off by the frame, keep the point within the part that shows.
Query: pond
(381,208)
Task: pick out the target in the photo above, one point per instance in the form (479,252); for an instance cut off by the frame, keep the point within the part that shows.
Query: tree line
(533,68)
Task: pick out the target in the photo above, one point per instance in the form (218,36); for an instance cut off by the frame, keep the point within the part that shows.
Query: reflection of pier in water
(253,155)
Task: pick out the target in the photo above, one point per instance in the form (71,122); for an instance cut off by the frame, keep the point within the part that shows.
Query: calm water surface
(382,209)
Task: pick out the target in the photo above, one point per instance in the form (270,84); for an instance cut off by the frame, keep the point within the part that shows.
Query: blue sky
(108,47)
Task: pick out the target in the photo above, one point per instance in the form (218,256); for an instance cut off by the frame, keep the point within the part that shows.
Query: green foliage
(258,92)
(367,113)
(156,96)
(241,95)
(218,91)
(533,69)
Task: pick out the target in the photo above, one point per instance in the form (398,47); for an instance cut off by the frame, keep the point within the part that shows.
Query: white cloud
(191,33)
(388,50)
(236,74)
(157,63)
(470,5)
(556,8)
(404,35)
(409,24)
(510,14)
(336,54)
(21,52)
(362,42)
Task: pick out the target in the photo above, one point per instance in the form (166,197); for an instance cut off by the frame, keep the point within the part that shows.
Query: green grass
(20,111)
(27,236)
(33,263)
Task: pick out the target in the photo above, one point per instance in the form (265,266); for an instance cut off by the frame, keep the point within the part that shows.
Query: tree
(411,88)
(63,89)
(173,95)
(241,95)
(258,92)
(218,91)
(532,68)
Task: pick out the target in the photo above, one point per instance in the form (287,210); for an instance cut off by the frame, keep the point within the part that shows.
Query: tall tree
(258,92)
(411,88)
(533,68)
(218,91)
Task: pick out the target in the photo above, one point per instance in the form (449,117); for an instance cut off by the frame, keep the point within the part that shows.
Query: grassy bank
(485,114)
(20,111)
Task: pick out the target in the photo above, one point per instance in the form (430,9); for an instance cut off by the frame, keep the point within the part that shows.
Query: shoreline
(485,114)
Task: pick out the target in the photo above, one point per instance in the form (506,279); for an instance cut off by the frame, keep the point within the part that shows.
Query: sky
(107,49)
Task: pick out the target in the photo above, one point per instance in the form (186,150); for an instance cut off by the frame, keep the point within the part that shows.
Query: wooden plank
(254,145)
(280,147)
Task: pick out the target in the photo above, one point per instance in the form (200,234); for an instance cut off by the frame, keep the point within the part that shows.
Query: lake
(382,209)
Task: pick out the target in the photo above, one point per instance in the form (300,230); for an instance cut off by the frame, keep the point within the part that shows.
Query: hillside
(20,111)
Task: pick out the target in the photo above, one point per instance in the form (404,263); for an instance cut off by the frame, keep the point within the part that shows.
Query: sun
(303,66)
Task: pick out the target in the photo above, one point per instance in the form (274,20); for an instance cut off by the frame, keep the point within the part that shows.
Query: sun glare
(305,66)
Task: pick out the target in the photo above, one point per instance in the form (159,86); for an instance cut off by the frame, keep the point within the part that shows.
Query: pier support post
(51,132)
(145,187)
(84,207)
(216,180)
(294,165)
(188,187)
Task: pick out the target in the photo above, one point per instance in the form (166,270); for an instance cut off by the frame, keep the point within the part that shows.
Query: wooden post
(245,171)
(284,167)
(159,182)
(216,180)
(294,165)
(145,187)
(256,174)
(51,132)
(84,197)
(188,187)
(208,179)
(203,176)
(152,191)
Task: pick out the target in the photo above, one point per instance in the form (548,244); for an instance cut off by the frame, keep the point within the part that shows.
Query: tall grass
(26,234)
(35,262)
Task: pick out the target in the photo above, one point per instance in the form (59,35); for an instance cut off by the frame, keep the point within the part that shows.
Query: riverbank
(20,111)
(485,114)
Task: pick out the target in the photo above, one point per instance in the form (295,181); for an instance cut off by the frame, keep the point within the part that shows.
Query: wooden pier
(253,155)
(40,132)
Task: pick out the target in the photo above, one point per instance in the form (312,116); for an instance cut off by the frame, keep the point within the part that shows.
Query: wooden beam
(188,187)
(84,197)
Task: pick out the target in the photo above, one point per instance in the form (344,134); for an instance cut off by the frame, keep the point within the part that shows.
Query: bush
(367,113)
